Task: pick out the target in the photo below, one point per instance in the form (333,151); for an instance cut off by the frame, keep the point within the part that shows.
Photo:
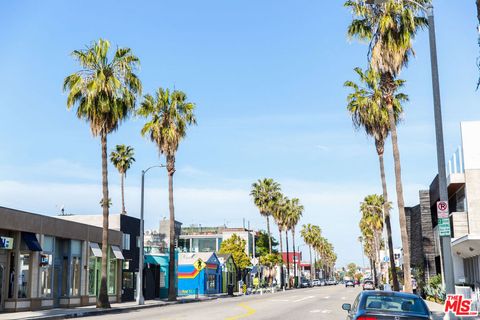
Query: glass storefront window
(76,248)
(112,273)
(128,280)
(92,275)
(24,276)
(47,245)
(75,290)
(65,276)
(46,275)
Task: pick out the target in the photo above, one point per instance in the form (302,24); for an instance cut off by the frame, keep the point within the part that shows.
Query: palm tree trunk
(282,280)
(269,236)
(288,259)
(295,264)
(102,301)
(377,258)
(311,265)
(122,179)
(388,88)
(172,287)
(372,266)
(386,209)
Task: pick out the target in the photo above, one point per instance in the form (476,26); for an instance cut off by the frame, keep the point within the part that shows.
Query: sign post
(443,219)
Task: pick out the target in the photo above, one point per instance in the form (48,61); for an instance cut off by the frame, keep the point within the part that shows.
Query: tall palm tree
(104,92)
(169,114)
(122,158)
(368,111)
(311,234)
(264,193)
(371,222)
(390,27)
(279,212)
(293,217)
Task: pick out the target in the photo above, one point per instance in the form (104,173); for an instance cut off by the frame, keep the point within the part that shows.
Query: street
(310,303)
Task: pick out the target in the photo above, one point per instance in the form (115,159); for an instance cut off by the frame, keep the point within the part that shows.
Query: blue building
(199,273)
(155,276)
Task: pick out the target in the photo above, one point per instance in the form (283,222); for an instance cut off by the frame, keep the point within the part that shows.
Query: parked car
(349,283)
(368,285)
(305,283)
(315,283)
(322,283)
(387,305)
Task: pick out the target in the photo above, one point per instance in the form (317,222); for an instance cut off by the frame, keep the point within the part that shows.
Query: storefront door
(2,281)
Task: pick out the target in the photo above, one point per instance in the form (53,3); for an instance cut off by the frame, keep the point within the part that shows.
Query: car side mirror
(347,306)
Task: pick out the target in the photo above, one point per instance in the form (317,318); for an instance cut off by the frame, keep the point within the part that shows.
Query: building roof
(54,226)
(190,258)
(222,257)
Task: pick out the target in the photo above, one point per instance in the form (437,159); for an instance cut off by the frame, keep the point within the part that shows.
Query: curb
(118,310)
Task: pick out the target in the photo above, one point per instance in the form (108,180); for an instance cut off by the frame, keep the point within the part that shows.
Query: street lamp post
(140,299)
(446,256)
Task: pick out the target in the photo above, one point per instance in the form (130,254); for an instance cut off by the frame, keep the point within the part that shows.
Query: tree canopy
(236,247)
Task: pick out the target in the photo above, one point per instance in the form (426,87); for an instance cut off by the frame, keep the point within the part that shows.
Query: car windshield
(395,304)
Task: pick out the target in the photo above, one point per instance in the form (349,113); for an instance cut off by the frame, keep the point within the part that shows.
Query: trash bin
(230,289)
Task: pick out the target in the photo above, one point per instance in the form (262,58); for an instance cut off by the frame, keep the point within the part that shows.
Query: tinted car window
(355,303)
(395,304)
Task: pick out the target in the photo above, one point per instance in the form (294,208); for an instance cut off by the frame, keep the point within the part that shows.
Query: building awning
(97,252)
(153,260)
(466,246)
(31,241)
(117,253)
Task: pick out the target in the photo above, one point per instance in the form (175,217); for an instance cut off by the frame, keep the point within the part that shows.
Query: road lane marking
(304,298)
(250,311)
(327,297)
(321,311)
(343,298)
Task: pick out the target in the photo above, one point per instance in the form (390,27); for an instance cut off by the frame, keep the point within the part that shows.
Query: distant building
(153,238)
(463,184)
(209,239)
(164,231)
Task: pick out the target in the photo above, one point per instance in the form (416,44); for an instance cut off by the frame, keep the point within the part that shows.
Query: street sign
(6,243)
(386,259)
(444,227)
(442,209)
(199,264)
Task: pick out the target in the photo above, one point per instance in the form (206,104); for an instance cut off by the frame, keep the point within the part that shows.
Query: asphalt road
(301,304)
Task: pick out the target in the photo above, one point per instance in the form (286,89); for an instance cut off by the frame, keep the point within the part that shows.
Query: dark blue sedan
(384,305)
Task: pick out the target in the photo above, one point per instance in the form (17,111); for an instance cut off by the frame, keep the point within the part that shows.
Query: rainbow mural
(188,275)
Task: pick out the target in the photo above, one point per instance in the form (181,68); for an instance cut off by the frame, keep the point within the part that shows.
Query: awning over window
(97,252)
(156,260)
(117,253)
(31,241)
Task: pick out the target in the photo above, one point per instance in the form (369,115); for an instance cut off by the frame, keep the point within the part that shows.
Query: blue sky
(267,78)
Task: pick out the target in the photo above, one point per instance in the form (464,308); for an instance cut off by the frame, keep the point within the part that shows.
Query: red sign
(442,209)
(460,306)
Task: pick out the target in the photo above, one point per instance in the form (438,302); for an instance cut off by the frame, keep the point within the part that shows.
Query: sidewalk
(437,310)
(62,313)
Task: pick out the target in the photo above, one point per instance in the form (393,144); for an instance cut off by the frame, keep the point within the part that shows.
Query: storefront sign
(444,227)
(6,243)
(44,260)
